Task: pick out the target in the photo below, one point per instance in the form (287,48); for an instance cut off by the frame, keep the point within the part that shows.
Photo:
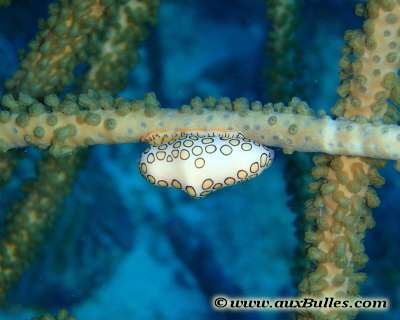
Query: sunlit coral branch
(370,80)
(69,32)
(90,119)
(344,199)
(60,46)
(112,57)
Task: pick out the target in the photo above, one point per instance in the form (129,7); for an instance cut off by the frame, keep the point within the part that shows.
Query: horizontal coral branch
(92,118)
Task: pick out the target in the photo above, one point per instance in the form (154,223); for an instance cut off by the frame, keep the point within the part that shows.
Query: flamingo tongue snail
(200,162)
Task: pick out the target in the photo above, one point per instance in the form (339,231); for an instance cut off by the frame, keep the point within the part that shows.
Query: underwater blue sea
(125,249)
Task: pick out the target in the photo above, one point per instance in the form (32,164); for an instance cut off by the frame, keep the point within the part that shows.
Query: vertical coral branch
(32,215)
(283,76)
(284,72)
(60,46)
(49,67)
(342,206)
(112,57)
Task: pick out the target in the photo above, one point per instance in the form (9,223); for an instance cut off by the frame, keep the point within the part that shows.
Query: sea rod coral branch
(94,118)
(69,39)
(60,46)
(112,57)
(342,207)
(370,80)
(35,213)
